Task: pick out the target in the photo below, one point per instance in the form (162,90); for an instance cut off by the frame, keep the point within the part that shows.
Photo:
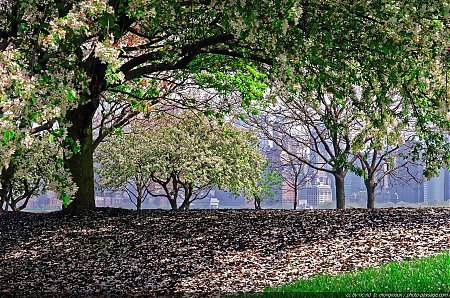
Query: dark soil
(114,252)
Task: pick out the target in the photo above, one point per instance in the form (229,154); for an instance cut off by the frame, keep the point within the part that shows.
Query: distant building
(409,193)
(360,196)
(405,188)
(109,201)
(436,188)
(287,197)
(354,187)
(318,193)
(446,185)
(228,199)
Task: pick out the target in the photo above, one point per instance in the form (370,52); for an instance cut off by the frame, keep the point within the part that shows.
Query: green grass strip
(425,275)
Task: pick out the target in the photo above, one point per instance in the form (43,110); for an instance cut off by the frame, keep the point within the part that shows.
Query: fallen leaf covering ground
(113,252)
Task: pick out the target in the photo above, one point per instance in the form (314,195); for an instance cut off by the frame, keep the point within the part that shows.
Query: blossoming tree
(183,156)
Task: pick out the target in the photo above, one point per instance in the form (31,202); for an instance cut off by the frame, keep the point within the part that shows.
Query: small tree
(380,147)
(122,166)
(266,186)
(295,174)
(40,170)
(185,156)
(321,125)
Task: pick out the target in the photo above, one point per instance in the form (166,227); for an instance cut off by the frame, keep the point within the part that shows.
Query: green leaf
(65,200)
(71,94)
(8,135)
(76,149)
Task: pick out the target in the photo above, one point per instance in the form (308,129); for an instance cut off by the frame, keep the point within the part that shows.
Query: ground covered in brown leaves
(112,252)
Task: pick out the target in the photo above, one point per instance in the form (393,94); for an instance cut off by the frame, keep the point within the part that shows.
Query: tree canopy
(182,157)
(60,59)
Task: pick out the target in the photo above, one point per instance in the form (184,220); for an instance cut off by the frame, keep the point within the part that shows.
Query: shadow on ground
(156,252)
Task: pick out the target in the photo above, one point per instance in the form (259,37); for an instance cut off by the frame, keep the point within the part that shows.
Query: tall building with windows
(446,185)
(319,192)
(436,188)
(354,187)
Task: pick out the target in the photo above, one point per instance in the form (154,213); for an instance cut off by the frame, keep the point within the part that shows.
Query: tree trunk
(370,187)
(188,192)
(81,164)
(5,180)
(4,194)
(185,205)
(139,196)
(339,177)
(173,204)
(257,203)
(139,203)
(295,198)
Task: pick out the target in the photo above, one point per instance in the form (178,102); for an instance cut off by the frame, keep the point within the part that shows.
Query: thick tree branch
(188,54)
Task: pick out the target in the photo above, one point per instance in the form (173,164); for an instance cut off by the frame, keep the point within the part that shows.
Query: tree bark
(81,164)
(173,204)
(188,192)
(185,205)
(140,187)
(370,187)
(257,203)
(295,194)
(5,178)
(139,204)
(139,199)
(339,177)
